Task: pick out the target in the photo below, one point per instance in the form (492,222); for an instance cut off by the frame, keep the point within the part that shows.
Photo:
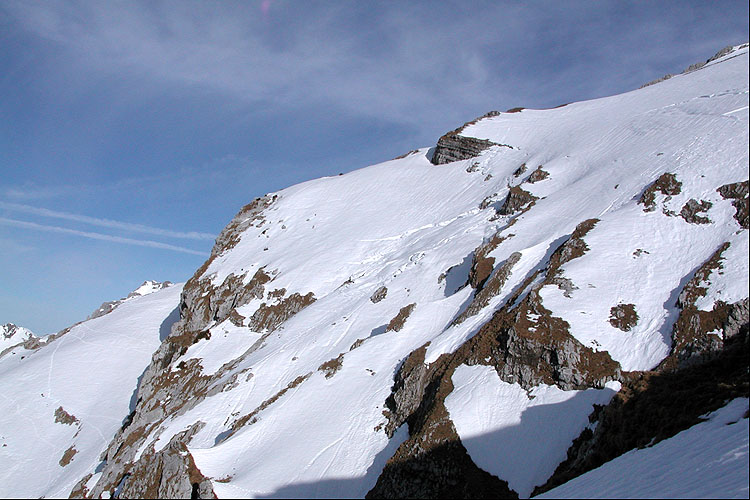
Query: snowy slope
(534,430)
(274,381)
(63,403)
(709,460)
(12,335)
(283,424)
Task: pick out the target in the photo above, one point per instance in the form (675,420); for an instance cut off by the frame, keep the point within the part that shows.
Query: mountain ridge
(322,347)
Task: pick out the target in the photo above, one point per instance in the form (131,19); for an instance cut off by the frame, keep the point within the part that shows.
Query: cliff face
(455,147)
(411,328)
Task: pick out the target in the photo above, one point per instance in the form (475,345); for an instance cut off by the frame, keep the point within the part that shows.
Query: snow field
(519,437)
(91,372)
(708,460)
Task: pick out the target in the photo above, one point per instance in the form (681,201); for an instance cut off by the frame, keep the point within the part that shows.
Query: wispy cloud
(98,236)
(112,224)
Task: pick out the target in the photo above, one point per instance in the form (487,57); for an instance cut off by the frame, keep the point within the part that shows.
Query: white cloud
(112,224)
(314,57)
(98,236)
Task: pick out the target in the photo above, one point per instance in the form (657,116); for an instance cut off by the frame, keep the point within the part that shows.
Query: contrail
(113,224)
(98,236)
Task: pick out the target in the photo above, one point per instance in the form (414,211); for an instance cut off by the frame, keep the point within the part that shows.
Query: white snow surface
(518,436)
(92,372)
(404,224)
(12,335)
(708,460)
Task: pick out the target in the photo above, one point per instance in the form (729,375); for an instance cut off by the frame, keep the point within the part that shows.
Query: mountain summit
(540,293)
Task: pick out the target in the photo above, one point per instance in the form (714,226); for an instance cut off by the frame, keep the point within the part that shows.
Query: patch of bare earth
(68,456)
(398,321)
(623,316)
(379,295)
(63,417)
(330,367)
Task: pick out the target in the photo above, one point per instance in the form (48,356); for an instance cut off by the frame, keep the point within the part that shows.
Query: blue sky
(132,132)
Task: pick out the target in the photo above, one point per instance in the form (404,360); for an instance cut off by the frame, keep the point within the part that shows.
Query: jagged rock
(520,170)
(537,175)
(454,147)
(169,473)
(12,336)
(667,184)
(652,406)
(623,316)
(694,334)
(491,286)
(397,323)
(738,193)
(691,210)
(433,462)
(517,200)
(378,295)
(482,264)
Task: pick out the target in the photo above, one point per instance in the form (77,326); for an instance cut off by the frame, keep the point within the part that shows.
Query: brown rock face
(526,345)
(397,323)
(653,406)
(694,334)
(169,387)
(623,316)
(738,192)
(516,201)
(707,366)
(666,184)
(454,147)
(692,209)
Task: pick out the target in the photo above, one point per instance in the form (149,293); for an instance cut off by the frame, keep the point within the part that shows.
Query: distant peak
(146,288)
(149,286)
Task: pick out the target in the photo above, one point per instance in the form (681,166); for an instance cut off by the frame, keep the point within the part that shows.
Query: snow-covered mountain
(12,335)
(541,292)
(148,286)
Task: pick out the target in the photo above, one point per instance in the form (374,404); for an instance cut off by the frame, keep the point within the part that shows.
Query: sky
(132,132)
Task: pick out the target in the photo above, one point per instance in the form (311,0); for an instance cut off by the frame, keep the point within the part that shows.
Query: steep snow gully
(544,300)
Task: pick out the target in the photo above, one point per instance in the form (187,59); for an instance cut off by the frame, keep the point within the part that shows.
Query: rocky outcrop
(707,367)
(652,406)
(398,321)
(378,295)
(695,66)
(170,473)
(518,200)
(12,336)
(698,335)
(623,316)
(146,288)
(525,344)
(170,385)
(692,210)
(667,184)
(454,147)
(537,175)
(738,193)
